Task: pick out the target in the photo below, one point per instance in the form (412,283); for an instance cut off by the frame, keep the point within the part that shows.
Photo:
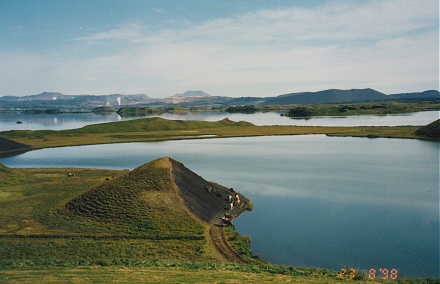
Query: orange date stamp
(386,274)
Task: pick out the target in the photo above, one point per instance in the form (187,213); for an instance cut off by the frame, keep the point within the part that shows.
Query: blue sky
(225,48)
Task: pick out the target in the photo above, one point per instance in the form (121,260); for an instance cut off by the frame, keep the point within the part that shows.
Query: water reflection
(8,120)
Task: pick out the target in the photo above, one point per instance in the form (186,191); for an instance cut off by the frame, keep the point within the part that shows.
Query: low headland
(159,129)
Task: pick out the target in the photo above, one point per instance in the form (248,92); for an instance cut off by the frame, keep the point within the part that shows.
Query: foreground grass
(179,272)
(121,274)
(158,129)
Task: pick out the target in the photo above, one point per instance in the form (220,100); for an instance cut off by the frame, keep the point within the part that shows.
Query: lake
(318,201)
(8,120)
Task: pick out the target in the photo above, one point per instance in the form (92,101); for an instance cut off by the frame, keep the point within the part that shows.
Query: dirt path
(208,202)
(218,237)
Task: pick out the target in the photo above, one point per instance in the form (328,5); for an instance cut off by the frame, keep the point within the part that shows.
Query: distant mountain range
(58,100)
(432,94)
(199,98)
(192,94)
(328,96)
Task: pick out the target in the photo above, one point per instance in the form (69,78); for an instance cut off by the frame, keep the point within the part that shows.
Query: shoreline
(158,129)
(335,134)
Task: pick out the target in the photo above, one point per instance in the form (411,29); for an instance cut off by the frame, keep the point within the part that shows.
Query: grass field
(182,272)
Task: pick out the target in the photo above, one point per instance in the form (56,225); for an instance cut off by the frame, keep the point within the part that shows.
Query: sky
(235,48)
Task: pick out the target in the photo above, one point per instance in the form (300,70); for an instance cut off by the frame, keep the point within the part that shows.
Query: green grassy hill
(91,216)
(101,215)
(156,124)
(142,202)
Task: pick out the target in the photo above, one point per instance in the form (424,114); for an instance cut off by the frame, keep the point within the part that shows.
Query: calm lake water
(8,120)
(318,201)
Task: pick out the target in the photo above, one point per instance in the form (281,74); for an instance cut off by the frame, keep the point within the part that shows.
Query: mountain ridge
(328,96)
(199,98)
(428,94)
(198,93)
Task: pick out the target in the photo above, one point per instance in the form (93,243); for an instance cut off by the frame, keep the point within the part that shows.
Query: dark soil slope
(431,130)
(9,147)
(204,199)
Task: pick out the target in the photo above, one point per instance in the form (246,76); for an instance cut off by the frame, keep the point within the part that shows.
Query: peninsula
(159,129)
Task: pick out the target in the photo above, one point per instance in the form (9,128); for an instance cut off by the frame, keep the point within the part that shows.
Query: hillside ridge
(154,198)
